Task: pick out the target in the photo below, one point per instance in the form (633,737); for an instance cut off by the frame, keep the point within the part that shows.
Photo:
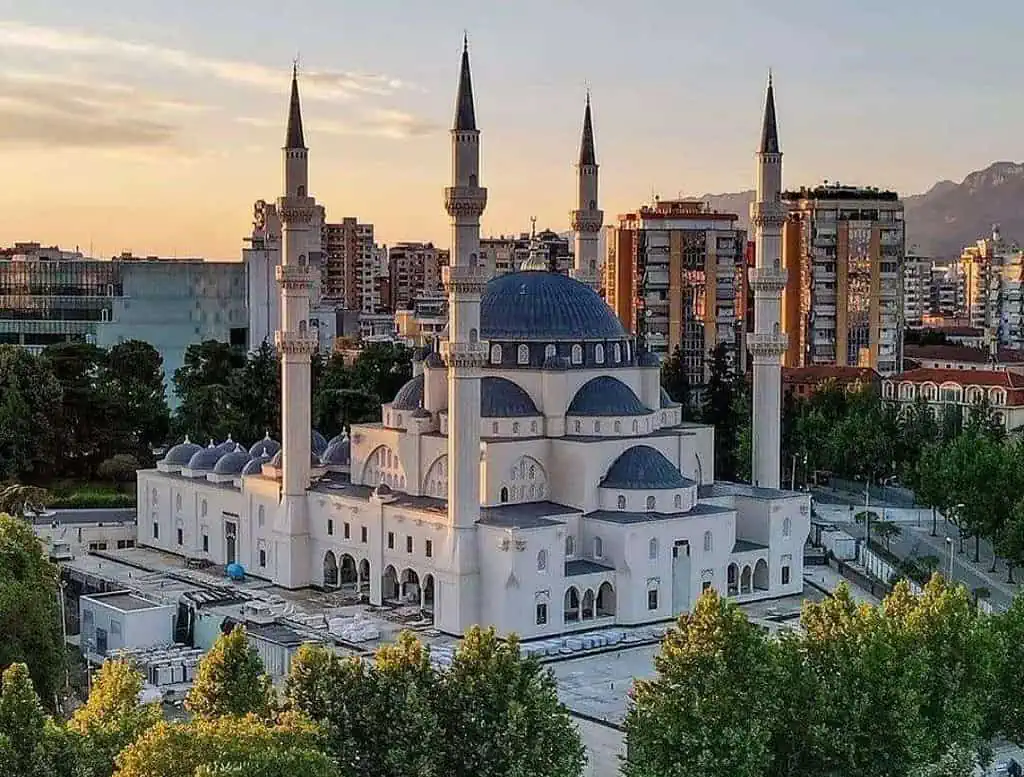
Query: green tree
(29,615)
(931,485)
(254,393)
(120,468)
(981,420)
(707,711)
(134,378)
(231,680)
(918,431)
(719,410)
(499,714)
(17,499)
(886,531)
(1007,704)
(22,722)
(30,415)
(381,369)
(674,380)
(203,385)
(112,717)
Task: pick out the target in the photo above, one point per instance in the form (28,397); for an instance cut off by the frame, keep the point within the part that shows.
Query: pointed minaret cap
(465,115)
(294,137)
(587,155)
(769,128)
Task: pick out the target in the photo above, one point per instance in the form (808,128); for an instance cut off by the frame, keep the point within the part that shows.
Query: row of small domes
(231,458)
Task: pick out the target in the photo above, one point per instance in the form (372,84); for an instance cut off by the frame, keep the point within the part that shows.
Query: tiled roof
(1000,378)
(960,353)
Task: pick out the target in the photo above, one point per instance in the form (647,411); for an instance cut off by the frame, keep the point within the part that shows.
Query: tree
(981,420)
(30,402)
(202,384)
(720,410)
(254,392)
(1007,706)
(112,717)
(120,468)
(231,680)
(674,380)
(1009,541)
(22,722)
(931,486)
(29,615)
(17,500)
(707,710)
(499,714)
(134,377)
(229,746)
(886,531)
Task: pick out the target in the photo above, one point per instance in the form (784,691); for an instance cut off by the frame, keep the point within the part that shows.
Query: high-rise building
(946,292)
(348,264)
(414,268)
(843,248)
(674,274)
(992,271)
(917,289)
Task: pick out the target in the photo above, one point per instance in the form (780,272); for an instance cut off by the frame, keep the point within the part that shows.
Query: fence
(891,494)
(881,569)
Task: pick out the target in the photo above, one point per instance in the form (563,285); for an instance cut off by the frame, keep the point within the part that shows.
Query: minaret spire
(587,153)
(465,115)
(769,126)
(587,218)
(294,137)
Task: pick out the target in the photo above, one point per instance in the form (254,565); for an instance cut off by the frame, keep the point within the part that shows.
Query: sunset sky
(153,126)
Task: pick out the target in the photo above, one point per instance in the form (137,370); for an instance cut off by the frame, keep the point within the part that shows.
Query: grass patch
(78,494)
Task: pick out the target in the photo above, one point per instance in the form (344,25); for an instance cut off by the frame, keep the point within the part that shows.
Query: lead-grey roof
(742,546)
(666,400)
(587,155)
(723,488)
(182,453)
(642,468)
(271,446)
(769,127)
(465,114)
(527,515)
(255,465)
(293,135)
(621,516)
(606,396)
(410,396)
(232,463)
(501,398)
(337,453)
(584,566)
(648,359)
(205,458)
(317,442)
(538,305)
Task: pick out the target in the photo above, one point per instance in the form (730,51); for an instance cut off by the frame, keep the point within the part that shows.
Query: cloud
(57,112)
(318,84)
(381,123)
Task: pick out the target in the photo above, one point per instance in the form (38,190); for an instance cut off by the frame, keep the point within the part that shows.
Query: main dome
(537,305)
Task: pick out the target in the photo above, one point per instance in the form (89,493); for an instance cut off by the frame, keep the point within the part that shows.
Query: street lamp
(949,543)
(886,482)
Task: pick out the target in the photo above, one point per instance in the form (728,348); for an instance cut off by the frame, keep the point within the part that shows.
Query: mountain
(945,218)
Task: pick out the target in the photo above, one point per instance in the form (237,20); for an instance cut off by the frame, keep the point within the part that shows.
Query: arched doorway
(428,594)
(410,582)
(364,576)
(588,606)
(389,584)
(348,575)
(745,580)
(605,600)
(733,580)
(330,570)
(571,606)
(761,575)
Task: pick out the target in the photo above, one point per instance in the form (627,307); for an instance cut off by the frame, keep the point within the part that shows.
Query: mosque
(532,475)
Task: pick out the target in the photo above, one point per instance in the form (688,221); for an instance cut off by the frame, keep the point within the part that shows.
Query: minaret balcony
(767,344)
(770,279)
(767,214)
(465,279)
(294,276)
(465,200)
(305,343)
(457,354)
(586,220)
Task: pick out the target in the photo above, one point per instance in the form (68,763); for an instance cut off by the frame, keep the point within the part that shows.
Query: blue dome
(181,453)
(255,466)
(643,467)
(410,396)
(501,398)
(648,359)
(228,446)
(606,396)
(318,443)
(337,454)
(433,360)
(537,305)
(667,401)
(272,446)
(205,458)
(232,463)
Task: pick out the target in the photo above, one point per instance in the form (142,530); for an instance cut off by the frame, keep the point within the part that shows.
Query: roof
(587,155)
(271,445)
(501,398)
(205,458)
(125,601)
(89,515)
(1001,378)
(181,453)
(769,127)
(742,546)
(275,633)
(721,488)
(526,515)
(606,396)
(961,353)
(232,463)
(584,566)
(539,305)
(621,516)
(410,396)
(465,115)
(643,467)
(667,401)
(294,137)
(819,373)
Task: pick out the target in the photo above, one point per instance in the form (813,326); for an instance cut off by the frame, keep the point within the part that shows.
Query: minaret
(465,279)
(768,343)
(587,219)
(295,344)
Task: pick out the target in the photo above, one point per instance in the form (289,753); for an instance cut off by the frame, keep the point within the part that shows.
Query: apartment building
(843,249)
(947,295)
(993,270)
(674,276)
(917,289)
(511,253)
(414,268)
(350,272)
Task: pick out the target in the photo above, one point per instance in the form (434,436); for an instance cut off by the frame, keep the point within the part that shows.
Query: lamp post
(949,542)
(886,482)
(959,529)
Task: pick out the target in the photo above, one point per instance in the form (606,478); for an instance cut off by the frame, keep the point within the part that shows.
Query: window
(708,541)
(618,427)
(495,354)
(577,354)
(549,351)
(705,585)
(362,534)
(156,530)
(494,427)
(181,536)
(122,544)
(515,427)
(636,424)
(391,540)
(597,427)
(542,613)
(677,502)
(787,527)
(598,548)
(408,544)
(261,516)
(577,427)
(617,353)
(652,599)
(503,496)
(177,503)
(533,426)
(599,353)
(129,543)
(652,548)
(785,575)
(523,355)
(570,545)
(542,560)
(330,527)
(346,530)
(202,508)
(206,543)
(651,502)
(621,501)
(428,548)
(263,557)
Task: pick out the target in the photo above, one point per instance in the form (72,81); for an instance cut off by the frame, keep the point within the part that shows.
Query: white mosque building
(532,475)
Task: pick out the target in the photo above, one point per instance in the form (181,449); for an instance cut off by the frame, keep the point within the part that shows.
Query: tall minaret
(587,219)
(465,279)
(296,344)
(768,343)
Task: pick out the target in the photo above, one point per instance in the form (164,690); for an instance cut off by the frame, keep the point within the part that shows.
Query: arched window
(301,191)
(523,355)
(177,503)
(533,426)
(652,548)
(577,426)
(503,496)
(494,427)
(495,354)
(617,353)
(202,508)
(577,354)
(549,351)
(621,502)
(599,353)
(708,541)
(597,427)
(570,545)
(651,502)
(678,501)
(474,337)
(598,548)
(302,327)
(515,427)
(618,427)
(472,180)
(636,426)
(261,516)
(787,527)
(542,560)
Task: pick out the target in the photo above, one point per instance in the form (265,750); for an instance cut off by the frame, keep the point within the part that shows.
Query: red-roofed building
(964,388)
(961,357)
(804,381)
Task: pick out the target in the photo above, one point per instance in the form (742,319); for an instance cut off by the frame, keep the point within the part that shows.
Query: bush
(78,500)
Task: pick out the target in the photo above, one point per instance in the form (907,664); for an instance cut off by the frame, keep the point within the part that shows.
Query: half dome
(410,396)
(606,396)
(501,398)
(643,467)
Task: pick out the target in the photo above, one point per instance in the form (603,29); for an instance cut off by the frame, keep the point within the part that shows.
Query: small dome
(556,363)
(434,360)
(421,412)
(648,359)
(410,396)
(182,453)
(337,454)
(255,466)
(421,353)
(271,445)
(606,396)
(643,467)
(667,401)
(382,490)
(337,439)
(228,446)
(537,305)
(232,463)
(205,458)
(318,443)
(501,398)
(277,460)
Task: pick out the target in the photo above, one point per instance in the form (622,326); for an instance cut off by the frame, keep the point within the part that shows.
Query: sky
(151,126)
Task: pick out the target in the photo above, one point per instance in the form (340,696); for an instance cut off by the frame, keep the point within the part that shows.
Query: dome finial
(187,440)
